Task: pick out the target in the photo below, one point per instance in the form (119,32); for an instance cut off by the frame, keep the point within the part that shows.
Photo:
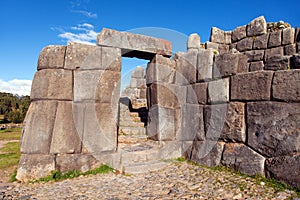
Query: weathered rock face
(218,91)
(132,44)
(257,26)
(285,168)
(238,33)
(205,64)
(273,128)
(52,57)
(186,66)
(217,35)
(193,41)
(286,85)
(251,86)
(196,93)
(237,156)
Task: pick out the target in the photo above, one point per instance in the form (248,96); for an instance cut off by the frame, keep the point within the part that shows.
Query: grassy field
(10,152)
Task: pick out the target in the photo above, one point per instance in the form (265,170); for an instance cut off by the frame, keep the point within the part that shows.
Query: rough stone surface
(80,162)
(277,62)
(229,64)
(83,56)
(217,35)
(223,48)
(65,138)
(244,44)
(111,59)
(278,51)
(285,169)
(97,124)
(255,55)
(35,166)
(161,123)
(211,45)
(218,91)
(297,35)
(192,127)
(273,128)
(53,84)
(193,41)
(207,152)
(205,64)
(256,66)
(136,45)
(186,66)
(237,156)
(39,123)
(274,39)
(286,85)
(138,72)
(228,37)
(261,41)
(288,36)
(161,69)
(251,86)
(229,120)
(258,26)
(238,33)
(52,57)
(290,49)
(197,93)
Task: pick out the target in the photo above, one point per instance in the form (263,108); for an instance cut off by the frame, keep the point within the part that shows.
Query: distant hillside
(13,107)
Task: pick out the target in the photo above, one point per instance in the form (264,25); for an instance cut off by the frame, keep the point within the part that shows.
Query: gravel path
(179,180)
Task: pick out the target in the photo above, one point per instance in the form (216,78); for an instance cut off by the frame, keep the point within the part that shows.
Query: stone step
(139,156)
(124,140)
(132,130)
(144,167)
(131,124)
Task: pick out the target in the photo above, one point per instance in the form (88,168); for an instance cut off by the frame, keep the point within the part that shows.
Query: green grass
(11,155)
(58,176)
(11,134)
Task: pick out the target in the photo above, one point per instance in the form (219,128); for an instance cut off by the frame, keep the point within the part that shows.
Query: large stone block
(65,138)
(278,51)
(238,33)
(161,123)
(83,56)
(288,36)
(186,67)
(55,84)
(111,59)
(218,91)
(192,124)
(193,41)
(223,48)
(251,86)
(285,169)
(242,158)
(228,35)
(208,153)
(258,26)
(80,162)
(286,85)
(256,66)
(277,62)
(35,166)
(197,93)
(97,124)
(217,35)
(273,128)
(212,45)
(229,64)
(274,39)
(205,64)
(39,123)
(138,83)
(290,49)
(161,69)
(226,122)
(245,44)
(134,45)
(255,55)
(261,41)
(52,57)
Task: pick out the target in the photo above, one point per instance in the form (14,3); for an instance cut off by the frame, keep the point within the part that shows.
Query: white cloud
(16,86)
(86,13)
(82,33)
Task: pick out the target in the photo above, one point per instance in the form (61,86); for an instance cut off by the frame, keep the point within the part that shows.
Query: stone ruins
(234,100)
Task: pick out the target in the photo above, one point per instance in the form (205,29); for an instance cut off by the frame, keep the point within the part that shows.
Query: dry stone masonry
(234,100)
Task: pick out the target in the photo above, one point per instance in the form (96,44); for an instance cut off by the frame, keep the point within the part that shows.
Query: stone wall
(234,100)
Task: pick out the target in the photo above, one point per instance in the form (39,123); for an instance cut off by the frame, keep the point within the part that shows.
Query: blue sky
(28,26)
